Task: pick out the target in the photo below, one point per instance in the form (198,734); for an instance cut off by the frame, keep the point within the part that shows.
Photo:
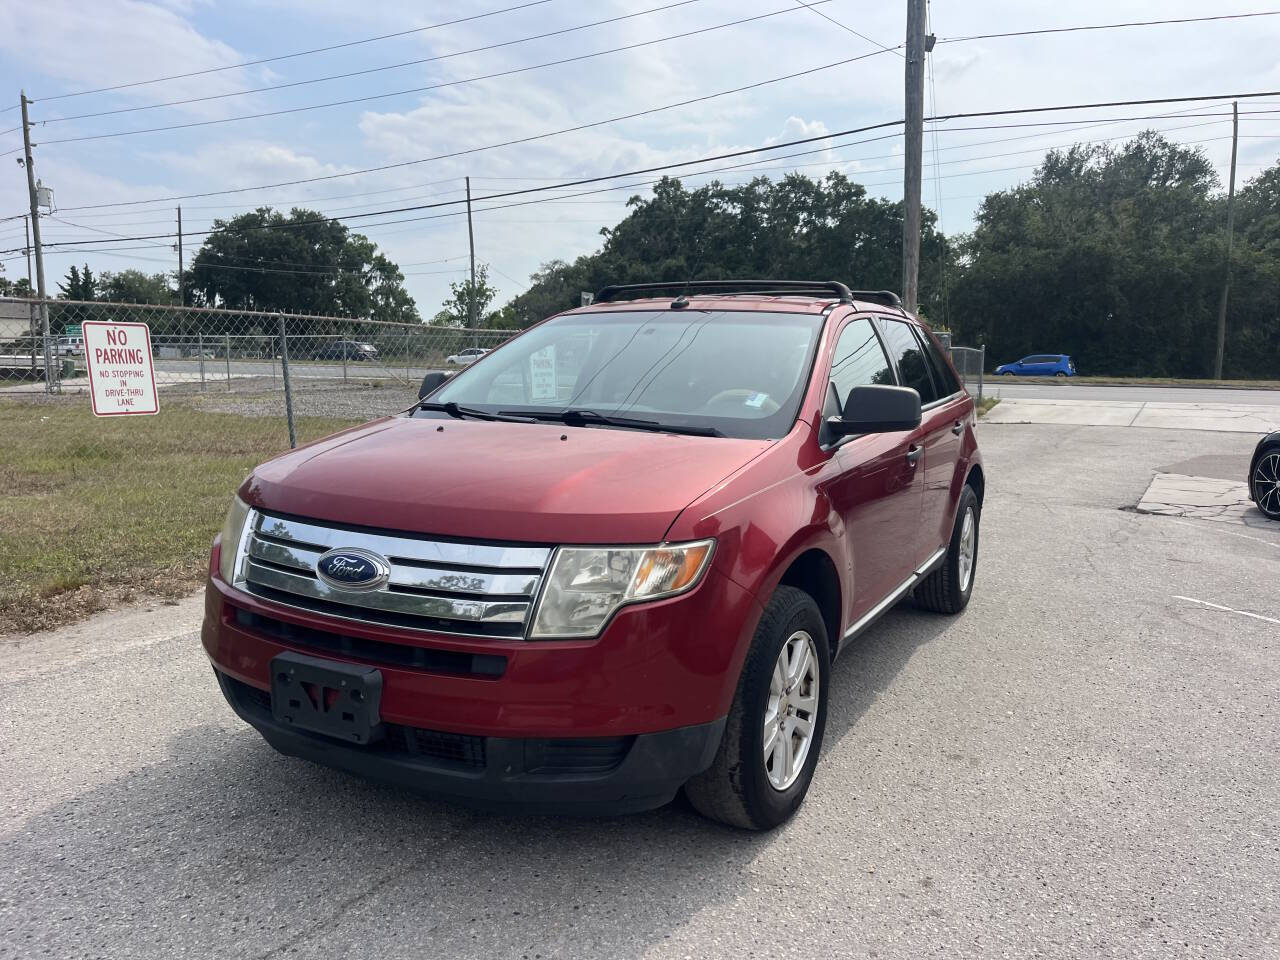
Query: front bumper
(577,777)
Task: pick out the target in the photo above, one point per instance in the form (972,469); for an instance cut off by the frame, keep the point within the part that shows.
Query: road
(1055,391)
(1082,764)
(216,370)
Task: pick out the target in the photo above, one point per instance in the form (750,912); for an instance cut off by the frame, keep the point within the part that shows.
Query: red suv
(612,558)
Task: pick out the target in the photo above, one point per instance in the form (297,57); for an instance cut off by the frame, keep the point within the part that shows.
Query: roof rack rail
(824,287)
(887,297)
(764,287)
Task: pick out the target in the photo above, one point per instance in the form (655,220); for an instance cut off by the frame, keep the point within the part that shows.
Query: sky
(109,187)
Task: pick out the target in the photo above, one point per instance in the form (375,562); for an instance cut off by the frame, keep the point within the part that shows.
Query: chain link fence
(266,364)
(243,361)
(970,363)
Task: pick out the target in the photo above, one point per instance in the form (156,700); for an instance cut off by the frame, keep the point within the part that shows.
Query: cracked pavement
(1203,498)
(1084,763)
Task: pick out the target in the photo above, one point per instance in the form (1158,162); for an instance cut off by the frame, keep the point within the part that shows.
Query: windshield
(742,374)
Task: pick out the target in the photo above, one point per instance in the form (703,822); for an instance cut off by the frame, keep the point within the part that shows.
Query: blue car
(1039,365)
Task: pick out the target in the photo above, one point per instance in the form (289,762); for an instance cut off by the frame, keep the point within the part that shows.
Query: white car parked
(70,346)
(469,355)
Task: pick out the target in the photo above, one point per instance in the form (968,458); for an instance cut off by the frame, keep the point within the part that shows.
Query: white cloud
(67,45)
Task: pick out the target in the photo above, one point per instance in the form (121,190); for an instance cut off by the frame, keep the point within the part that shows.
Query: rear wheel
(774,731)
(947,589)
(1265,483)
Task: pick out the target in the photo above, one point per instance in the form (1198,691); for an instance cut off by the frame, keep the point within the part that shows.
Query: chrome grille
(442,586)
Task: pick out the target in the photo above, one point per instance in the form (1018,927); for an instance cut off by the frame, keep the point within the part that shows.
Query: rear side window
(942,373)
(859,360)
(913,366)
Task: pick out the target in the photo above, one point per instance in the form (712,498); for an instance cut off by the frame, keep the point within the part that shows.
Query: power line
(753,164)
(506,143)
(508,205)
(419,62)
(812,7)
(490,76)
(802,4)
(456,213)
(723,156)
(1109,26)
(300,53)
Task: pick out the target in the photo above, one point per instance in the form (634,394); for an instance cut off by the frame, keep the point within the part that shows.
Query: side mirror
(431,382)
(877,410)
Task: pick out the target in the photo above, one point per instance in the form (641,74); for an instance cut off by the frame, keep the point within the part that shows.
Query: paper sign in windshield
(542,374)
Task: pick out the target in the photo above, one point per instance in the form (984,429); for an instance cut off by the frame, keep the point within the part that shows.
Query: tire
(947,589)
(1262,483)
(1059,374)
(1006,373)
(736,789)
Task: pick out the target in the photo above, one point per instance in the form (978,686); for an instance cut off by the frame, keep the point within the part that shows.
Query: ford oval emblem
(349,568)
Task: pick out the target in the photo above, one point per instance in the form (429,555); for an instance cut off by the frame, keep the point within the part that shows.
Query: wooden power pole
(1231,234)
(913,150)
(471,242)
(29,163)
(182,290)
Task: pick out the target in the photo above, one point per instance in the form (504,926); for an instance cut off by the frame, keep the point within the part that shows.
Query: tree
(134,286)
(14,288)
(79,285)
(469,301)
(794,228)
(301,263)
(1112,254)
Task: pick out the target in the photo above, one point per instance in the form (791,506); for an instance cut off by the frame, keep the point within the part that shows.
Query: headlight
(587,584)
(232,534)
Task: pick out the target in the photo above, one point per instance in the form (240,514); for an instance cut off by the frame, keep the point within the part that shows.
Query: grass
(101,511)
(987,403)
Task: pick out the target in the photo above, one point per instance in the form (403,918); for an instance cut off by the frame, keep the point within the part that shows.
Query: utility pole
(26,229)
(29,163)
(182,290)
(1231,235)
(31,317)
(471,242)
(912,153)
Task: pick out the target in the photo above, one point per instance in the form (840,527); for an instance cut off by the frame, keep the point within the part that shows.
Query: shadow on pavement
(226,849)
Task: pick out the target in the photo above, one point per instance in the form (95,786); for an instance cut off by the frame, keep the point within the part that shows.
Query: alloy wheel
(1266,485)
(968,545)
(792,710)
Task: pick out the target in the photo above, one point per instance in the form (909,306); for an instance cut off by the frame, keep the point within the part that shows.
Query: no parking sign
(122,378)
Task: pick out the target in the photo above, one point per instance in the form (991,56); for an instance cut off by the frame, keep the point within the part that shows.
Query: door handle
(914,454)
(958,428)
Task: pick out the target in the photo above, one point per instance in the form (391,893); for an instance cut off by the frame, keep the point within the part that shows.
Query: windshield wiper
(459,412)
(578,418)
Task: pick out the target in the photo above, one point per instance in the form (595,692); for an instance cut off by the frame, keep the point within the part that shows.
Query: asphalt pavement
(1057,390)
(1083,764)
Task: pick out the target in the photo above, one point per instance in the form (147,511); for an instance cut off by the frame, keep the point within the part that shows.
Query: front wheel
(1059,374)
(774,730)
(947,589)
(1265,484)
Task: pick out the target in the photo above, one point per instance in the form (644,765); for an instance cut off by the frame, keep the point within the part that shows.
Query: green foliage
(15,288)
(468,303)
(79,285)
(300,263)
(1115,255)
(134,286)
(794,228)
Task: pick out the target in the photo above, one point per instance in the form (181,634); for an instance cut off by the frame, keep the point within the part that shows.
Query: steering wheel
(739,400)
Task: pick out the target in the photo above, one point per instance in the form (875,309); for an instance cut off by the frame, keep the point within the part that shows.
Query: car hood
(543,483)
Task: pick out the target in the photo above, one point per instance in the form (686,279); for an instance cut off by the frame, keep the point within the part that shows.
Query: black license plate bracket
(340,700)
